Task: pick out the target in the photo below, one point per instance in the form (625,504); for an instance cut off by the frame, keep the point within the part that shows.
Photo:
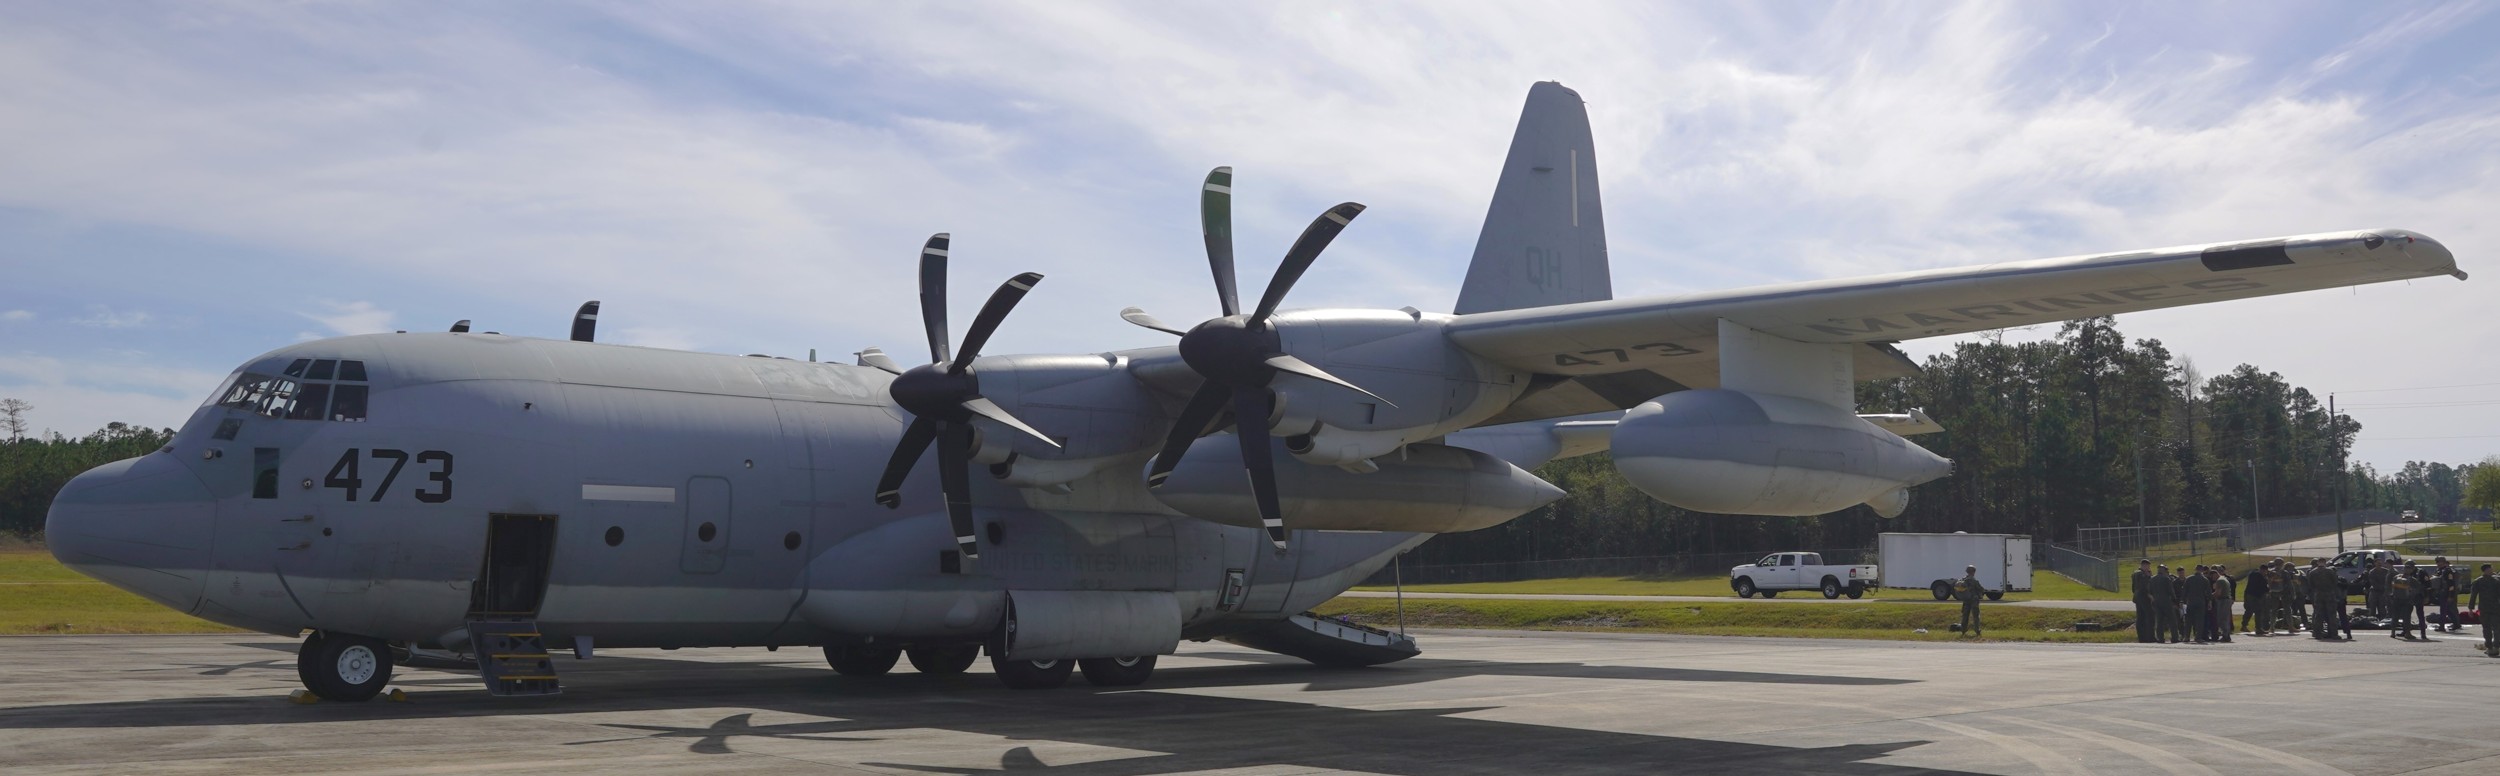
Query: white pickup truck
(1799,571)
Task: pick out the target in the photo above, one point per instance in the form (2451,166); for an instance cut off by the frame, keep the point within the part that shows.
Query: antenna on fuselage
(460,328)
(586,321)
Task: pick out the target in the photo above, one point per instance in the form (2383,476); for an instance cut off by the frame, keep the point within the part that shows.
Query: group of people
(2183,606)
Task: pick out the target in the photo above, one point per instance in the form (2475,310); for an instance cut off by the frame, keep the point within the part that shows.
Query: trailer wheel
(1940,590)
(1857,590)
(1770,594)
(1831,588)
(1996,595)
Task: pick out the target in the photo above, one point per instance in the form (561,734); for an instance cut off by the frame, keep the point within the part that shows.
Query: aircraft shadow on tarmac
(1187,730)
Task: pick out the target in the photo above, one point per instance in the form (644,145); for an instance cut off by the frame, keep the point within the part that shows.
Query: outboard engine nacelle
(1737,452)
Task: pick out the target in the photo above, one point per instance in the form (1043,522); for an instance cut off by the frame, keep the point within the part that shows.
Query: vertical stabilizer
(1544,239)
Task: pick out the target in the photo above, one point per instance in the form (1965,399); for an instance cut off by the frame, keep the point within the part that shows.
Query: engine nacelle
(1736,452)
(1089,404)
(1427,489)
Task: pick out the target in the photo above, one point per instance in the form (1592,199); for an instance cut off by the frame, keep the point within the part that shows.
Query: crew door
(520,553)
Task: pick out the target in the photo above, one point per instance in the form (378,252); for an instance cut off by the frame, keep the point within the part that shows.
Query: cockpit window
(347,403)
(283,397)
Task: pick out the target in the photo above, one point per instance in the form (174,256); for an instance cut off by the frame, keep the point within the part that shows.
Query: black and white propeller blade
(944,395)
(1239,355)
(586,321)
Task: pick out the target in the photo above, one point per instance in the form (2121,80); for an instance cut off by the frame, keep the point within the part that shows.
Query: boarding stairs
(512,657)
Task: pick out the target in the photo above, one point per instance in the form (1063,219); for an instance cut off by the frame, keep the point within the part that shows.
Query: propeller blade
(586,321)
(1142,318)
(915,441)
(460,326)
(1305,250)
(1215,218)
(876,358)
(993,312)
(955,453)
(990,409)
(1192,423)
(1287,363)
(1248,407)
(933,294)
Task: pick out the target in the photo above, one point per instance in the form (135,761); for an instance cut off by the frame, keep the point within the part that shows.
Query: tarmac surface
(1477,702)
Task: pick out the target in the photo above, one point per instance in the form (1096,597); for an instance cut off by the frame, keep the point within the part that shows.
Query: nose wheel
(342,666)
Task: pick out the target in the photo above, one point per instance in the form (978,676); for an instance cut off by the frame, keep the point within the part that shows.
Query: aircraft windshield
(312,389)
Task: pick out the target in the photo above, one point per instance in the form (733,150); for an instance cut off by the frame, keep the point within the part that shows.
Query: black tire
(1117,671)
(1031,674)
(1744,587)
(1940,590)
(1770,594)
(1857,590)
(1831,588)
(943,660)
(1996,595)
(344,667)
(861,661)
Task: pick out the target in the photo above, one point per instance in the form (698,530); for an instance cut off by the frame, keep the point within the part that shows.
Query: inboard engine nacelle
(1426,488)
(1737,452)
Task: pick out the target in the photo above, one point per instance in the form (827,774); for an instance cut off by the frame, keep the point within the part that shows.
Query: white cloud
(15,316)
(102,317)
(358,317)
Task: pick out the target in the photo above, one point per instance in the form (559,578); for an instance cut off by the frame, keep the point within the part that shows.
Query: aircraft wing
(1614,354)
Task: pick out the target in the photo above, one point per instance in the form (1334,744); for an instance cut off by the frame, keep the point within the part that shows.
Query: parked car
(1782,571)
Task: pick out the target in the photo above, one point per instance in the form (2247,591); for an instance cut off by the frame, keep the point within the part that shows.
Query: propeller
(1240,354)
(944,395)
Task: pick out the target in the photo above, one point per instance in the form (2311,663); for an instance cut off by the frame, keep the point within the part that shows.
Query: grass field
(1893,621)
(2045,586)
(2458,539)
(38,595)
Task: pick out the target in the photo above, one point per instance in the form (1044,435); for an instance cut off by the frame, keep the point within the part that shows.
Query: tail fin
(1544,239)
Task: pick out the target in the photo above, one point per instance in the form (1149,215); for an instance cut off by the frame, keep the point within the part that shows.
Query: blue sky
(190,184)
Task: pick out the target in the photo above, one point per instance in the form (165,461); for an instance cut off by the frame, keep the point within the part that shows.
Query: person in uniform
(2251,622)
(2223,592)
(2279,607)
(2141,587)
(2296,580)
(1968,591)
(2164,592)
(2483,589)
(2401,587)
(2326,598)
(2447,586)
(2197,593)
(2378,581)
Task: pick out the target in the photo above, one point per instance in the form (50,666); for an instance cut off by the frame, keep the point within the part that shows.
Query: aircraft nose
(140,524)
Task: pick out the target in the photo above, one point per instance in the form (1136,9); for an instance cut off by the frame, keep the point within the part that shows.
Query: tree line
(33,468)
(2084,429)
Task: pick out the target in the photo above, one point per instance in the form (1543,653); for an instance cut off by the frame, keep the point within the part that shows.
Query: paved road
(2324,546)
(1801,597)
(1476,703)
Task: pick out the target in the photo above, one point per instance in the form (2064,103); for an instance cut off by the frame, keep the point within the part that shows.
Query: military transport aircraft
(478,496)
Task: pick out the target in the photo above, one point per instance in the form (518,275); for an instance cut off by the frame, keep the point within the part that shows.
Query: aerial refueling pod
(1745,453)
(1427,488)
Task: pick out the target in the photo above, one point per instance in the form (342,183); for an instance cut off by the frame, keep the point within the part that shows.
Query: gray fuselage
(698,500)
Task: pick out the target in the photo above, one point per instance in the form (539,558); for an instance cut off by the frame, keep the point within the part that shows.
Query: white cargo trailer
(1932,560)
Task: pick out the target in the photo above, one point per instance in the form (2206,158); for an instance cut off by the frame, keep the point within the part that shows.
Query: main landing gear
(343,667)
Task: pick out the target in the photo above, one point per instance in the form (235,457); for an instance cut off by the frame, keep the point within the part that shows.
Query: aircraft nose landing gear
(342,666)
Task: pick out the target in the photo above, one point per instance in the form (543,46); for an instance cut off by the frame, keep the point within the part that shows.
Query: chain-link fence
(1645,566)
(2080,566)
(2118,542)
